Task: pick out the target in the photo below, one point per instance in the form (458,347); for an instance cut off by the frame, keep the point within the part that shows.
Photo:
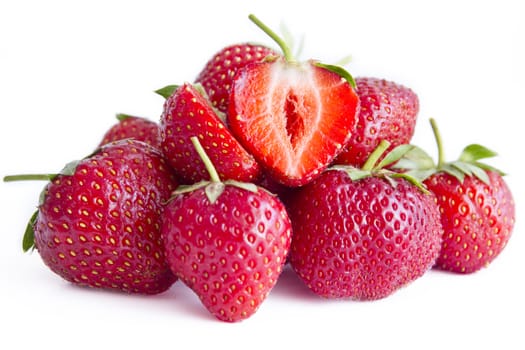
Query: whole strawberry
(476,205)
(187,112)
(217,76)
(363,233)
(227,241)
(388,112)
(131,127)
(98,221)
(294,117)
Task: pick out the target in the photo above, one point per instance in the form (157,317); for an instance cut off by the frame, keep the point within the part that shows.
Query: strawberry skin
(100,226)
(293,117)
(388,112)
(217,76)
(188,113)
(477,219)
(231,252)
(362,239)
(131,127)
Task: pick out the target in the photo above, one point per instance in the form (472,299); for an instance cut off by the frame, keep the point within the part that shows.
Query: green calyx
(167,90)
(214,187)
(28,240)
(122,116)
(343,73)
(288,56)
(418,163)
(377,167)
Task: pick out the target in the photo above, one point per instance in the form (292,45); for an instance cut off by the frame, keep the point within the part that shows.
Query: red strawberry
(137,128)
(217,75)
(188,113)
(363,233)
(477,217)
(228,242)
(388,112)
(476,205)
(98,222)
(293,117)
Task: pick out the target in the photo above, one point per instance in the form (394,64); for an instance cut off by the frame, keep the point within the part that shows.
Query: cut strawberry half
(294,118)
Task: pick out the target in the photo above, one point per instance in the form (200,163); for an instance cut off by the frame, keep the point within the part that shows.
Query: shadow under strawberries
(289,286)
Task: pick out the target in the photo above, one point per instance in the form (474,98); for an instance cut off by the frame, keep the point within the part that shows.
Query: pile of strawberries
(265,161)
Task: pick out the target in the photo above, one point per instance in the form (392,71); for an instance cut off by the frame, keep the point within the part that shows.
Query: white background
(67,67)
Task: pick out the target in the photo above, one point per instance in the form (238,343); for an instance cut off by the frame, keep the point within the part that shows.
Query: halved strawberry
(187,112)
(293,117)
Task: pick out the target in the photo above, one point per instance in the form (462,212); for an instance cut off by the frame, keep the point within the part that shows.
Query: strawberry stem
(29,177)
(282,44)
(214,176)
(375,155)
(439,142)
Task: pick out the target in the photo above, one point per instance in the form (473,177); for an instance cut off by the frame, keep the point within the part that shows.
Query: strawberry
(137,128)
(227,241)
(476,205)
(363,233)
(98,221)
(217,75)
(293,117)
(388,112)
(187,113)
(478,218)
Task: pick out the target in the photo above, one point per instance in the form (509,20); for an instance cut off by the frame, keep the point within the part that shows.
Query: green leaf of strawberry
(374,167)
(28,242)
(339,71)
(395,155)
(468,162)
(122,116)
(420,164)
(167,90)
(475,152)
